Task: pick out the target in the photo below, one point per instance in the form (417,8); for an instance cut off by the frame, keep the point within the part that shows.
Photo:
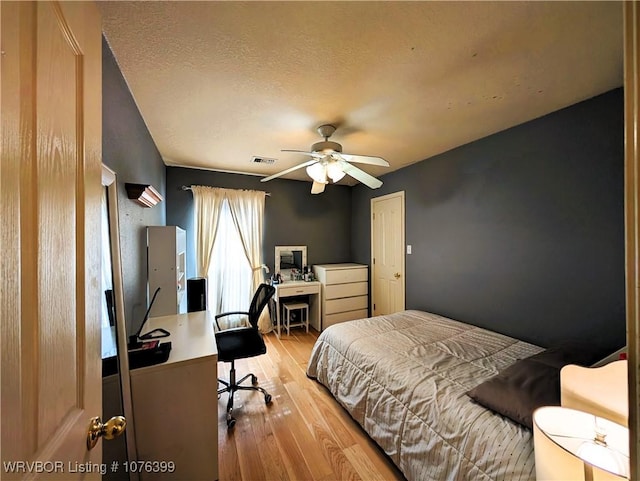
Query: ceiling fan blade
(317,187)
(316,155)
(364,159)
(286,171)
(368,180)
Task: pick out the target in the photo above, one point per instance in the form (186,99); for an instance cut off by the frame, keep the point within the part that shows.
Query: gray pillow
(530,383)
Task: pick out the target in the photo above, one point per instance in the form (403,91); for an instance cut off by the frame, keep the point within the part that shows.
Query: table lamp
(574,445)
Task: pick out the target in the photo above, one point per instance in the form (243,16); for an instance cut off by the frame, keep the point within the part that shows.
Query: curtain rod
(188,187)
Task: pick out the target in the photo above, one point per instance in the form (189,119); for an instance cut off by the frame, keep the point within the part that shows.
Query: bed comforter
(404,376)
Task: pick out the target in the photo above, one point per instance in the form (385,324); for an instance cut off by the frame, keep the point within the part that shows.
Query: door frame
(401,195)
(109,182)
(631,15)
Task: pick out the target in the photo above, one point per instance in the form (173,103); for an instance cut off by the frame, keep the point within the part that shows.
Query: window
(230,285)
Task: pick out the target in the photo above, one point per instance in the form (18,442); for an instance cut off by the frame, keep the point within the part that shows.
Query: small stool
(288,308)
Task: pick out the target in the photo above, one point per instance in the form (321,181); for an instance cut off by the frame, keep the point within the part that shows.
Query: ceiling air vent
(262,160)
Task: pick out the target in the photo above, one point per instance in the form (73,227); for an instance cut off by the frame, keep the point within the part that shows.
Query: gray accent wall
(129,150)
(521,232)
(293,216)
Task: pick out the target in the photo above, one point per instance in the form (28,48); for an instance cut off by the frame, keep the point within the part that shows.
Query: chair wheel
(267,398)
(231,421)
(254,380)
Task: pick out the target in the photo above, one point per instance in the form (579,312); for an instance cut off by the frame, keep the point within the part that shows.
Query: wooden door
(387,251)
(50,188)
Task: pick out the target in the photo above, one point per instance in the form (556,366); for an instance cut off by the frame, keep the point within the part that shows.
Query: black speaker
(196,294)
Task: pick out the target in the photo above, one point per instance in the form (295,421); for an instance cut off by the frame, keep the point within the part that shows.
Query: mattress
(403,378)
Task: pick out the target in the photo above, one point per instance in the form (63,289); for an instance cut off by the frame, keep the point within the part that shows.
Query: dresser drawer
(331,319)
(336,291)
(299,290)
(334,306)
(344,276)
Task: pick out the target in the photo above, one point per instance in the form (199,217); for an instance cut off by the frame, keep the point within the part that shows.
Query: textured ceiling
(220,82)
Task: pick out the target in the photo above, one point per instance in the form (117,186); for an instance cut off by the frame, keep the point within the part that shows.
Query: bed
(405,377)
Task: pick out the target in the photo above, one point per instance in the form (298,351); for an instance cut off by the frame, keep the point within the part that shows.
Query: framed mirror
(116,385)
(288,258)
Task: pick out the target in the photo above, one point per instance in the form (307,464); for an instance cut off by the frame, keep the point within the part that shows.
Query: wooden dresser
(344,292)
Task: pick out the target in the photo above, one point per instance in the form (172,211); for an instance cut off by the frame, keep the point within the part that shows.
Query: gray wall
(521,232)
(293,216)
(129,150)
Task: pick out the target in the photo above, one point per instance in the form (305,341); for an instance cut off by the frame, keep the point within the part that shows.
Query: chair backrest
(260,299)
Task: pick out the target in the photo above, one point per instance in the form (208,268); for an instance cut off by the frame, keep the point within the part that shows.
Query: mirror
(107,316)
(116,386)
(288,258)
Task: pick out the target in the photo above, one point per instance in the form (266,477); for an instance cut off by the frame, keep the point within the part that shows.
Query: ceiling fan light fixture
(318,172)
(328,162)
(334,171)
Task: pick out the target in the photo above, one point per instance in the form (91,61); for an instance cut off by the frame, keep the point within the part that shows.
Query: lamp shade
(334,171)
(570,445)
(318,172)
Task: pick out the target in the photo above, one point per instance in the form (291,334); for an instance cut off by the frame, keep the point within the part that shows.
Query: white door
(387,252)
(50,192)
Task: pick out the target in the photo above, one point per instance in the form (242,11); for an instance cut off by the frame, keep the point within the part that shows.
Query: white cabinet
(166,269)
(344,292)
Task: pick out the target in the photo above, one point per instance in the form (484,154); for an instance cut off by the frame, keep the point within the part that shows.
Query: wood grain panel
(268,451)
(58,155)
(228,466)
(18,377)
(362,464)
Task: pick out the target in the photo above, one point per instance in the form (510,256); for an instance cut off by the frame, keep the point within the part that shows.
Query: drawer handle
(301,290)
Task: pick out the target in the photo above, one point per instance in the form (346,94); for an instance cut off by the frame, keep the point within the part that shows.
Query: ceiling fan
(328,163)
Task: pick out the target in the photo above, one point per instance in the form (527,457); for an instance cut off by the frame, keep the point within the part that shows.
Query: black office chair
(242,342)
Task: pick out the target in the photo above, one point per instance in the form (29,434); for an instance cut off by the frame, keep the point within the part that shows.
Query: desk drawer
(297,290)
(336,291)
(346,304)
(343,276)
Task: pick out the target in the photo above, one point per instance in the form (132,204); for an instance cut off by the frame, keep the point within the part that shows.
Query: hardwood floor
(303,435)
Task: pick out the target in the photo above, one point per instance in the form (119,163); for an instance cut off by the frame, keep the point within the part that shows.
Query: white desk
(299,288)
(175,403)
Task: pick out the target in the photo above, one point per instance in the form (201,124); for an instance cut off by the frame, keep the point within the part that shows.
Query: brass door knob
(113,428)
(397,275)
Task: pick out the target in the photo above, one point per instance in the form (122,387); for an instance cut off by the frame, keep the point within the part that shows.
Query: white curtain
(229,226)
(247,211)
(207,207)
